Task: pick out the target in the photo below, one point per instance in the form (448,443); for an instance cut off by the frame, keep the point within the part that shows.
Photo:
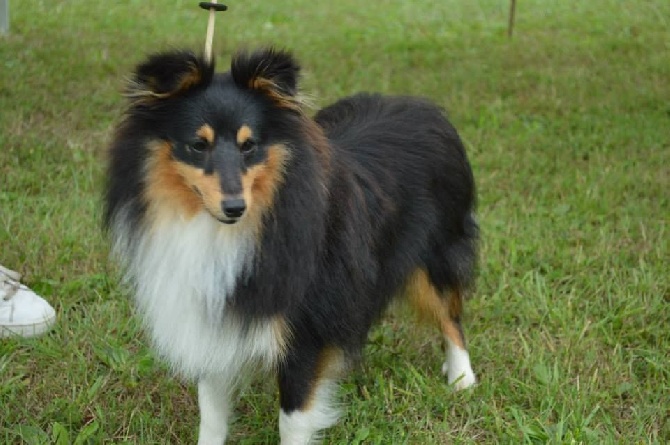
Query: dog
(258,238)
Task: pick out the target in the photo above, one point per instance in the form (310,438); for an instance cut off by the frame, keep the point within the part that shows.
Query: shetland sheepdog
(256,237)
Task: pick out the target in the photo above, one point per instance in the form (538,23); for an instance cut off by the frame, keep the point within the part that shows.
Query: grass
(567,126)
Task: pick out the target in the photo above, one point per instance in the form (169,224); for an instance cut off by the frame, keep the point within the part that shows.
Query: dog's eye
(248,146)
(199,146)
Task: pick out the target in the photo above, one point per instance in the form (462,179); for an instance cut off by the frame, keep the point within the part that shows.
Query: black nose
(233,208)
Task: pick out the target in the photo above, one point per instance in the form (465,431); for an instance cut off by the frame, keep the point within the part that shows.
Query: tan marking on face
(260,182)
(166,192)
(207,133)
(244,134)
(206,187)
(174,188)
(441,310)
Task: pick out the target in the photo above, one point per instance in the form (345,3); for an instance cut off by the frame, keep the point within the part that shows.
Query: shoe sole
(27,330)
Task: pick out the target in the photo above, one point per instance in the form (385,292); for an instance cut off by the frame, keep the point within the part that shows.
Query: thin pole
(512,13)
(210,33)
(213,7)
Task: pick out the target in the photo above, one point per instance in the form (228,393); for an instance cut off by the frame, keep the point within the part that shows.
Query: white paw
(461,379)
(457,368)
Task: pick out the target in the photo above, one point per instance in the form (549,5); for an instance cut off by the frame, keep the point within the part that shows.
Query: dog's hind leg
(457,365)
(443,309)
(214,400)
(307,383)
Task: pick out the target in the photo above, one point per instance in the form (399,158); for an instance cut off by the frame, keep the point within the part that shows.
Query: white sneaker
(22,311)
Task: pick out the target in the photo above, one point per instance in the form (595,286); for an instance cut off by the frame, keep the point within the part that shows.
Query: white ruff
(183,273)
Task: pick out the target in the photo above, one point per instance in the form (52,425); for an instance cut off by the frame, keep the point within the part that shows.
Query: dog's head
(218,142)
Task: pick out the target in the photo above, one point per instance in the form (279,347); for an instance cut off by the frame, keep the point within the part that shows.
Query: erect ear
(270,71)
(168,74)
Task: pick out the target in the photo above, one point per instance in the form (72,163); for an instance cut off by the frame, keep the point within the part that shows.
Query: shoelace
(9,282)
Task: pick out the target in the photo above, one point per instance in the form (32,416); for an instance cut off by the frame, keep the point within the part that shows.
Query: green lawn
(568,130)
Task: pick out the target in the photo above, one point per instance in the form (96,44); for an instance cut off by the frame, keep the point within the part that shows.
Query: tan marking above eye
(206,132)
(244,134)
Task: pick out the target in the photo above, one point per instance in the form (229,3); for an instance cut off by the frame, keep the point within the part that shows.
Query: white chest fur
(183,273)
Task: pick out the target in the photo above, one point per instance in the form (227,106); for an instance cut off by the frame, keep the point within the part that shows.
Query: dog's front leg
(307,385)
(214,400)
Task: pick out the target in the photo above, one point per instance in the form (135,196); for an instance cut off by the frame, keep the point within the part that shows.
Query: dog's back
(413,177)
